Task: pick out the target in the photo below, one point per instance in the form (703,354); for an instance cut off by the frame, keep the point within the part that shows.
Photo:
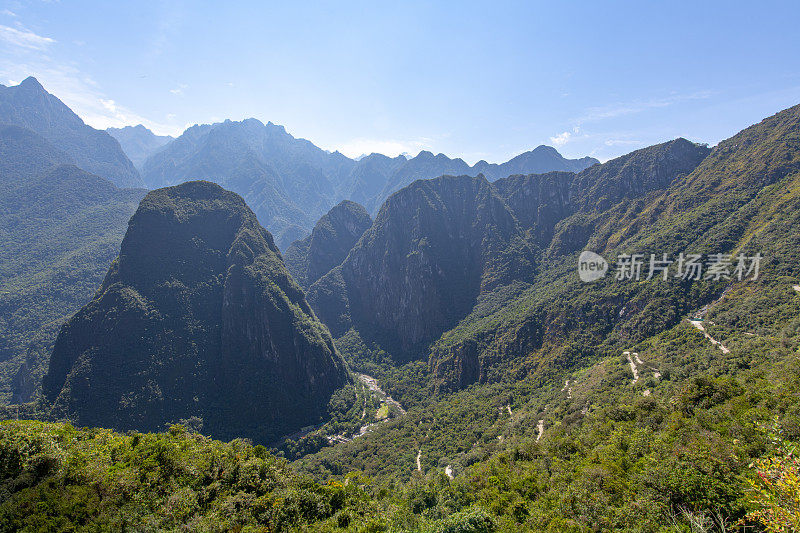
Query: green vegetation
(61,229)
(198,317)
(673,461)
(534,401)
(610,457)
(57,477)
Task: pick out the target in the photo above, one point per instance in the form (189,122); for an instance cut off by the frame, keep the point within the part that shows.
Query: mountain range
(138,142)
(428,357)
(287,180)
(290,183)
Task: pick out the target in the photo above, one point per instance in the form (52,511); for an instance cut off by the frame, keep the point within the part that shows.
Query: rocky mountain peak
(198,317)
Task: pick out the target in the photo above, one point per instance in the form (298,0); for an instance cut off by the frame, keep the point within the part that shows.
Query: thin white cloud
(628,108)
(561,139)
(621,142)
(23,38)
(8,13)
(178,91)
(109,104)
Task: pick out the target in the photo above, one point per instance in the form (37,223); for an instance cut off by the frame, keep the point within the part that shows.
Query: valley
(278,337)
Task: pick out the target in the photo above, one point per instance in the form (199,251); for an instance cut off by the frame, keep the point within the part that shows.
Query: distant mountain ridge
(426,165)
(290,182)
(138,142)
(30,106)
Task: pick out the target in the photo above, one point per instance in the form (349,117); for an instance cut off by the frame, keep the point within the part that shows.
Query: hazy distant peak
(545,148)
(32,83)
(138,142)
(30,106)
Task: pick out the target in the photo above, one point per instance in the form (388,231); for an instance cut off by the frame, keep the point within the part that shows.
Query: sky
(477,80)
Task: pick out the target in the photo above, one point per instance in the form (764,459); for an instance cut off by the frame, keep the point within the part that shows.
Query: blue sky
(478,80)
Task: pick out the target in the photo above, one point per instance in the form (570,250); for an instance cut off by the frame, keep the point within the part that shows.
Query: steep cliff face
(433,248)
(198,317)
(332,238)
(602,194)
(539,201)
(675,197)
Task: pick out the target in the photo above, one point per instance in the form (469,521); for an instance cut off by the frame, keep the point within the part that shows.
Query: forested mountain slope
(197,318)
(61,229)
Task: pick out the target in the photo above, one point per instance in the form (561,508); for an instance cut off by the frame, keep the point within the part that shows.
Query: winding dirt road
(634,370)
(699,325)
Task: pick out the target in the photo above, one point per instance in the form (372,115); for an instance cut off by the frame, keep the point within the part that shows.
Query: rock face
(561,212)
(438,246)
(332,238)
(138,142)
(433,248)
(30,106)
(198,317)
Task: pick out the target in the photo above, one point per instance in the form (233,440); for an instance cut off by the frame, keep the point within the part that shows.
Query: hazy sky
(476,80)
